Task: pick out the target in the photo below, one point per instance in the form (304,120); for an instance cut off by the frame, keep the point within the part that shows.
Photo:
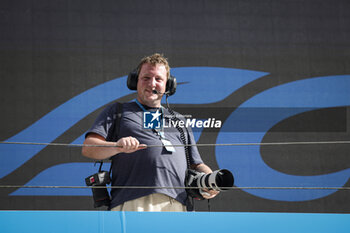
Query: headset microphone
(159,93)
(167,94)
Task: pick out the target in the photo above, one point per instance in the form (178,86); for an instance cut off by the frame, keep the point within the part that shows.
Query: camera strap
(113,135)
(114,132)
(190,199)
(191,194)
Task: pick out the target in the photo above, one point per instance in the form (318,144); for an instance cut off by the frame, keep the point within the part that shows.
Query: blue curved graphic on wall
(293,98)
(63,117)
(200,86)
(62,175)
(209,84)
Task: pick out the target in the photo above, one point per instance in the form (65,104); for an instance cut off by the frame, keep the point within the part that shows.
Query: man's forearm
(99,152)
(123,145)
(202,168)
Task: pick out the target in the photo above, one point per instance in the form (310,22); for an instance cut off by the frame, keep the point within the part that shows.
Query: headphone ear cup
(171,85)
(132,80)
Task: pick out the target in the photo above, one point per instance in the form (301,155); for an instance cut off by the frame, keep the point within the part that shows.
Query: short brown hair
(155,59)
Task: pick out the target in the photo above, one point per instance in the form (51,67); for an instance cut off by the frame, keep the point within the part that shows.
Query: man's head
(155,59)
(153,72)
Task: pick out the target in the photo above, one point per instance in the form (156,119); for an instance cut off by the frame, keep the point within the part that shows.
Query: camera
(219,180)
(99,191)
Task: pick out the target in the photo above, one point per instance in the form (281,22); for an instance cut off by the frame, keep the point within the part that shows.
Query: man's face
(151,77)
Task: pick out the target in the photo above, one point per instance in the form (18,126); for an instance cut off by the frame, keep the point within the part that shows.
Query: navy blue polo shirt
(151,167)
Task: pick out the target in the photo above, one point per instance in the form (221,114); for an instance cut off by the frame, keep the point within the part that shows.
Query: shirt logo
(152,120)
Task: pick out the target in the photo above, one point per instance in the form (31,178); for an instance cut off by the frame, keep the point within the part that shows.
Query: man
(134,164)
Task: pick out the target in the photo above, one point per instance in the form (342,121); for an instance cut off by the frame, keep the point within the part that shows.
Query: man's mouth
(151,91)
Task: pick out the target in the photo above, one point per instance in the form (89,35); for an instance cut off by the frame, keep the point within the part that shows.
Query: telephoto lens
(219,180)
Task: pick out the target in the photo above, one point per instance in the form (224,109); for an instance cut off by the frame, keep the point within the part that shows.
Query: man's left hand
(208,194)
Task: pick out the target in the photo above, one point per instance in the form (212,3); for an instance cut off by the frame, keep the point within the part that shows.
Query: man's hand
(123,145)
(129,145)
(208,194)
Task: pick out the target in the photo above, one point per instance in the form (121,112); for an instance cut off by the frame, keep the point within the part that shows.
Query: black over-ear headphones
(170,84)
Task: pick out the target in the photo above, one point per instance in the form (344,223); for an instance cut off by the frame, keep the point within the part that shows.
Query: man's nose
(152,82)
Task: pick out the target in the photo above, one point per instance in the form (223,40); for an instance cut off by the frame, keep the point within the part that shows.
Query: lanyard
(141,106)
(159,132)
(166,143)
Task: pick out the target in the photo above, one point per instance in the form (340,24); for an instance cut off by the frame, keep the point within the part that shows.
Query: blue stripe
(170,222)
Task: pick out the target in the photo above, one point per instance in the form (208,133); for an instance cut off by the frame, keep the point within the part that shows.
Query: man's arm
(201,168)
(123,145)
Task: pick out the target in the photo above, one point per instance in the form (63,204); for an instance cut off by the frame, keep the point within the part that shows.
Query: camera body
(99,191)
(219,180)
(99,179)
